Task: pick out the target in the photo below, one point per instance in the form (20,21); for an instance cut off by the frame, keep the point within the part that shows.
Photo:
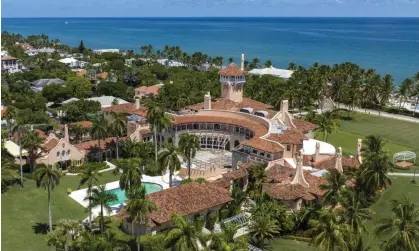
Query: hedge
(97,166)
(153,242)
(199,222)
(211,219)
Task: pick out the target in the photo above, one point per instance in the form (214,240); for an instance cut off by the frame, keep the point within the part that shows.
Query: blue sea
(390,45)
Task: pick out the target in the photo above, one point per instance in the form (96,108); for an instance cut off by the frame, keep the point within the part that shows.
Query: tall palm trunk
(117,147)
(90,209)
(189,166)
(138,241)
(170,177)
(101,220)
(155,144)
(20,160)
(100,150)
(49,209)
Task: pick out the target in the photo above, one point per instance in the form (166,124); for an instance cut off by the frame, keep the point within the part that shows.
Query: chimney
(242,63)
(338,164)
(137,103)
(316,155)
(299,173)
(66,136)
(207,101)
(358,150)
(284,106)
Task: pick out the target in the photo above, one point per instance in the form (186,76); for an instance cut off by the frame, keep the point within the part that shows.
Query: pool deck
(80,195)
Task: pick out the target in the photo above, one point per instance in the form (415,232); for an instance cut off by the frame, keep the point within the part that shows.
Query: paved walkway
(383,114)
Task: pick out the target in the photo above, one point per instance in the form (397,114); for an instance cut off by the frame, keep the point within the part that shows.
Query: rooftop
(286,74)
(187,199)
(232,70)
(128,108)
(153,90)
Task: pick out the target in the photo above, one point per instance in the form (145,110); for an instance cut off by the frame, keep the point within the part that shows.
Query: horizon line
(219,17)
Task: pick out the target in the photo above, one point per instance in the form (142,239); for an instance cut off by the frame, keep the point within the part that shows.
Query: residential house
(38,85)
(101,51)
(147,91)
(10,64)
(189,200)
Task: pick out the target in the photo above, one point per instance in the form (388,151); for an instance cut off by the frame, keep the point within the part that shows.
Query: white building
(281,73)
(4,53)
(100,51)
(10,64)
(33,52)
(105,101)
(38,85)
(73,63)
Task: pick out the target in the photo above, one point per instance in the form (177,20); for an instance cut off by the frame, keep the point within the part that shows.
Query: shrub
(199,222)
(153,242)
(211,219)
(224,213)
(69,190)
(97,166)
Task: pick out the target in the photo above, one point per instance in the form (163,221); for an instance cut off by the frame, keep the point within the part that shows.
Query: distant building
(24,46)
(73,63)
(281,73)
(38,85)
(4,53)
(10,64)
(144,91)
(33,52)
(101,51)
(105,101)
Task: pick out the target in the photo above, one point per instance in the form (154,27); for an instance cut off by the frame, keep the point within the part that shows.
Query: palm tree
(109,241)
(373,144)
(19,130)
(188,145)
(354,212)
(405,90)
(263,227)
(47,177)
(336,182)
(98,130)
(326,124)
(100,197)
(169,160)
(89,176)
(183,237)
(386,89)
(328,233)
(257,176)
(158,120)
(65,235)
(225,239)
(268,63)
(255,63)
(292,66)
(118,125)
(402,229)
(33,144)
(78,131)
(131,173)
(138,208)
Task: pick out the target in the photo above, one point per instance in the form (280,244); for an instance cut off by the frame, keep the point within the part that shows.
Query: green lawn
(24,208)
(399,135)
(289,245)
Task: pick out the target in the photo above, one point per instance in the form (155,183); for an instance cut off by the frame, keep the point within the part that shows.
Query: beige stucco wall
(63,146)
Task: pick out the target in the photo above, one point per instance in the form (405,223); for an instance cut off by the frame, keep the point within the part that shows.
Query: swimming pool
(121,197)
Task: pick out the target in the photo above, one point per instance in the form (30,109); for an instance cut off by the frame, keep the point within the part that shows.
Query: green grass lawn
(23,209)
(289,245)
(399,135)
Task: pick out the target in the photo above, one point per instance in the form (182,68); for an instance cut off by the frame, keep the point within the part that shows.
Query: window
(268,155)
(68,152)
(288,147)
(63,145)
(63,153)
(58,154)
(262,154)
(255,151)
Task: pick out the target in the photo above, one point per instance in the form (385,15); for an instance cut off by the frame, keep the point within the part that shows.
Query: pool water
(121,197)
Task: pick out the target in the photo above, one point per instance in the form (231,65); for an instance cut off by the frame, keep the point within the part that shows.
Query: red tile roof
(232,70)
(128,108)
(262,144)
(81,73)
(84,124)
(50,144)
(280,186)
(91,145)
(187,199)
(289,136)
(330,162)
(304,126)
(41,134)
(235,174)
(154,89)
(102,76)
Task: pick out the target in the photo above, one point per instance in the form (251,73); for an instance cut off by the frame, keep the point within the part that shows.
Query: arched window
(58,154)
(236,143)
(63,153)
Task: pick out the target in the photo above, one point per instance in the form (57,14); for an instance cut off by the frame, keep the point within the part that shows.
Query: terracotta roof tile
(153,90)
(330,162)
(187,199)
(287,191)
(232,70)
(263,144)
(81,73)
(41,134)
(145,131)
(91,145)
(235,174)
(50,145)
(102,76)
(222,182)
(128,108)
(289,136)
(84,124)
(304,126)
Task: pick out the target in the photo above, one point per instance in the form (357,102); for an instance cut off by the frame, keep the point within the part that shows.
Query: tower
(232,79)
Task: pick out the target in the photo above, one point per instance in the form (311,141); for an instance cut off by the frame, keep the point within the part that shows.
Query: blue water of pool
(121,197)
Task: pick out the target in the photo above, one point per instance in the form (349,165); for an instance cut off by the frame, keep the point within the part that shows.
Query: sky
(209,8)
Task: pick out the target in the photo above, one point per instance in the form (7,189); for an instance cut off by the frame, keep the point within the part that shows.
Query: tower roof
(232,70)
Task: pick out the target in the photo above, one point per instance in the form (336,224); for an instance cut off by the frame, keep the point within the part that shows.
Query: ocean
(390,45)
